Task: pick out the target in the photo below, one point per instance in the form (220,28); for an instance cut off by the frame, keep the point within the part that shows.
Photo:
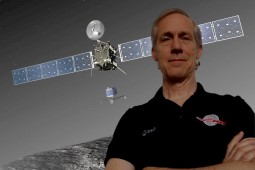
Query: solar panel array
(222,29)
(62,66)
(214,31)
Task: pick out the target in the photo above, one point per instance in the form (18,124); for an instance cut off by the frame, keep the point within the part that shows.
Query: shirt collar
(159,95)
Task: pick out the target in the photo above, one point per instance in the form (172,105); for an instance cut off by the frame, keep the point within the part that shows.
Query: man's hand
(240,155)
(240,149)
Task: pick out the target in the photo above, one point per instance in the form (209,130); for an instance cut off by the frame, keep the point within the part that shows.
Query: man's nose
(176,46)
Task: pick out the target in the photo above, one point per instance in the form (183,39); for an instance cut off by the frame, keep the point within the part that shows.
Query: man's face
(176,50)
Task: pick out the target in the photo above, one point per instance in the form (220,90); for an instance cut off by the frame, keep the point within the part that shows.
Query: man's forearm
(238,165)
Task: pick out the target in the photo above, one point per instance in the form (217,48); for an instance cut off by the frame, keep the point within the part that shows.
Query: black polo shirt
(161,133)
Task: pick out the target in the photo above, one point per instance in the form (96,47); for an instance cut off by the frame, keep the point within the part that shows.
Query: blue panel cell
(146,46)
(19,76)
(207,33)
(65,65)
(83,61)
(34,72)
(130,51)
(228,28)
(49,69)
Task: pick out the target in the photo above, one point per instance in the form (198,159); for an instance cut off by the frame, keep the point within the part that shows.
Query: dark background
(66,110)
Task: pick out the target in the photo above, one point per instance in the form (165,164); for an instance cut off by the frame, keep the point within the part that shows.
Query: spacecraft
(105,55)
(111,95)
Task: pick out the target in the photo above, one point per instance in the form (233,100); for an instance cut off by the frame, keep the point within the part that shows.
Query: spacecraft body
(105,56)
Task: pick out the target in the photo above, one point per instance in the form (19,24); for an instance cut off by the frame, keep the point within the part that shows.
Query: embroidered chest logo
(146,132)
(211,120)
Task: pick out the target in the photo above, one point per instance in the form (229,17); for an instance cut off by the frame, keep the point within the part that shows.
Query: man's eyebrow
(183,33)
(168,34)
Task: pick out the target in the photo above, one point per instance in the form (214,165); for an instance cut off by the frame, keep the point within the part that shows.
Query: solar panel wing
(83,61)
(228,28)
(146,46)
(19,76)
(65,65)
(130,50)
(34,72)
(49,69)
(207,33)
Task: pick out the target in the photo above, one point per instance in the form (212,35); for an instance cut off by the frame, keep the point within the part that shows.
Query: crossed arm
(240,155)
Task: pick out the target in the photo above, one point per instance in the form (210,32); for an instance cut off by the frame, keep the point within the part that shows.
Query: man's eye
(186,38)
(165,39)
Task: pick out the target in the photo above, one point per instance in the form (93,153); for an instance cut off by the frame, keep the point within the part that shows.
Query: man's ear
(200,51)
(154,54)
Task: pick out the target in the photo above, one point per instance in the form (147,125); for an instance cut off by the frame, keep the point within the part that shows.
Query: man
(183,126)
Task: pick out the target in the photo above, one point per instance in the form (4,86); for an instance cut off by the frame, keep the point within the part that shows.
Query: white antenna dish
(95,30)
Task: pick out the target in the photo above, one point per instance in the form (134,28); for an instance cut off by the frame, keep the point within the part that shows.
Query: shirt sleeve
(247,118)
(123,145)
